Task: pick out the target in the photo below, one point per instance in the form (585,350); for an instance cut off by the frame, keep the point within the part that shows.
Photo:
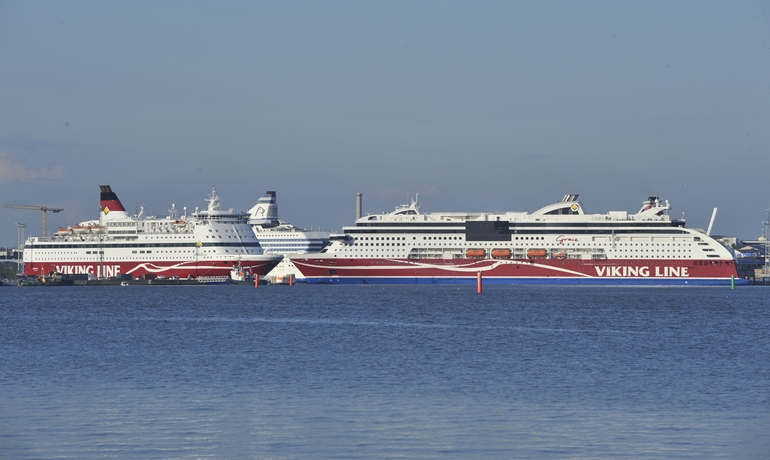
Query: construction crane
(43,209)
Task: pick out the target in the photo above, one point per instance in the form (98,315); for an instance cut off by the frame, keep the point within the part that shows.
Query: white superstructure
(278,237)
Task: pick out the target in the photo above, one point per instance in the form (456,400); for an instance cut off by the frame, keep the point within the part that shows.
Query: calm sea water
(384,372)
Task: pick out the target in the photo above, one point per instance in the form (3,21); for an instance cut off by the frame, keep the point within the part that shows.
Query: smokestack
(358,206)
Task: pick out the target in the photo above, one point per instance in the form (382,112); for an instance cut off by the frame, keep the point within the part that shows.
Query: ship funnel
(359,211)
(265,212)
(110,206)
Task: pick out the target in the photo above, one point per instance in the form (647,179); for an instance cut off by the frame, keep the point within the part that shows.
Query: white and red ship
(204,244)
(557,244)
(279,237)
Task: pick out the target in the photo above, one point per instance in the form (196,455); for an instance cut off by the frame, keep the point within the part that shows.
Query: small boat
(537,253)
(559,255)
(239,276)
(124,283)
(288,279)
(475,253)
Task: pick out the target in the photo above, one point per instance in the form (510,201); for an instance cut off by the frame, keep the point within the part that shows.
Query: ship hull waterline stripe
(595,281)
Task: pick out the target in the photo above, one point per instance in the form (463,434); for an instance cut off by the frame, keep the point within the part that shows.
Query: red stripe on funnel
(113,205)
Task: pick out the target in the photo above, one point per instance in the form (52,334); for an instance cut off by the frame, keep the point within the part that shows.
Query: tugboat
(239,275)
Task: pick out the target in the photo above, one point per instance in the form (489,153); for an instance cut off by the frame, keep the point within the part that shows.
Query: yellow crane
(43,209)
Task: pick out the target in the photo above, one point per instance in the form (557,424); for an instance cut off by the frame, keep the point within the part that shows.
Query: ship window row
(592,244)
(137,245)
(645,253)
(74,257)
(551,225)
(520,231)
(560,244)
(629,231)
(654,244)
(386,238)
(460,230)
(271,240)
(175,236)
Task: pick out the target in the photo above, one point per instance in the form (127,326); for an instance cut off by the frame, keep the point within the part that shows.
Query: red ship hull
(181,269)
(518,271)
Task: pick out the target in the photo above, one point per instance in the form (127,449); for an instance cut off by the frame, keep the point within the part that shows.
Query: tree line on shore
(8,270)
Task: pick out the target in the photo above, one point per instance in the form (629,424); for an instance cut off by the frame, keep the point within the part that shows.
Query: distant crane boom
(43,209)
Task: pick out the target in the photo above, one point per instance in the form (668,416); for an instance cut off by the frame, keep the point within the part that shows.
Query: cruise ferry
(557,244)
(206,243)
(279,237)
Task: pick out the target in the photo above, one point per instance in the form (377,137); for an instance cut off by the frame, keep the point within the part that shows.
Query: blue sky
(476,106)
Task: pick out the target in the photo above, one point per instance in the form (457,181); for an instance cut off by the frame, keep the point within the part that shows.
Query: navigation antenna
(213,200)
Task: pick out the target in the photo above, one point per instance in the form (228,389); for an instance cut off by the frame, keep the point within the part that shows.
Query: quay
(58,279)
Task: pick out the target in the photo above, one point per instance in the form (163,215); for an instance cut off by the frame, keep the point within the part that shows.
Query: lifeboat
(87,228)
(559,255)
(501,253)
(537,253)
(475,253)
(180,223)
(64,231)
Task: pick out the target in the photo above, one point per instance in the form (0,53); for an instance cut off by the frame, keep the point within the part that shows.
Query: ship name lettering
(561,239)
(109,270)
(641,271)
(671,271)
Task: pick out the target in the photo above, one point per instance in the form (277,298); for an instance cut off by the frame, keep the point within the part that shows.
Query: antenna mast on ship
(213,200)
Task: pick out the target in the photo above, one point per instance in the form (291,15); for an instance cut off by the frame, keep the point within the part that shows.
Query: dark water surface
(384,372)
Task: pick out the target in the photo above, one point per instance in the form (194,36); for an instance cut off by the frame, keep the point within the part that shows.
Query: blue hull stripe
(595,281)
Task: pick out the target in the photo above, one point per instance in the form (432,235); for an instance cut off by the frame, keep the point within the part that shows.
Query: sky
(475,106)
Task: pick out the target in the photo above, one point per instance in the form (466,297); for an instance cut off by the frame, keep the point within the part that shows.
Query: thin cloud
(11,170)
